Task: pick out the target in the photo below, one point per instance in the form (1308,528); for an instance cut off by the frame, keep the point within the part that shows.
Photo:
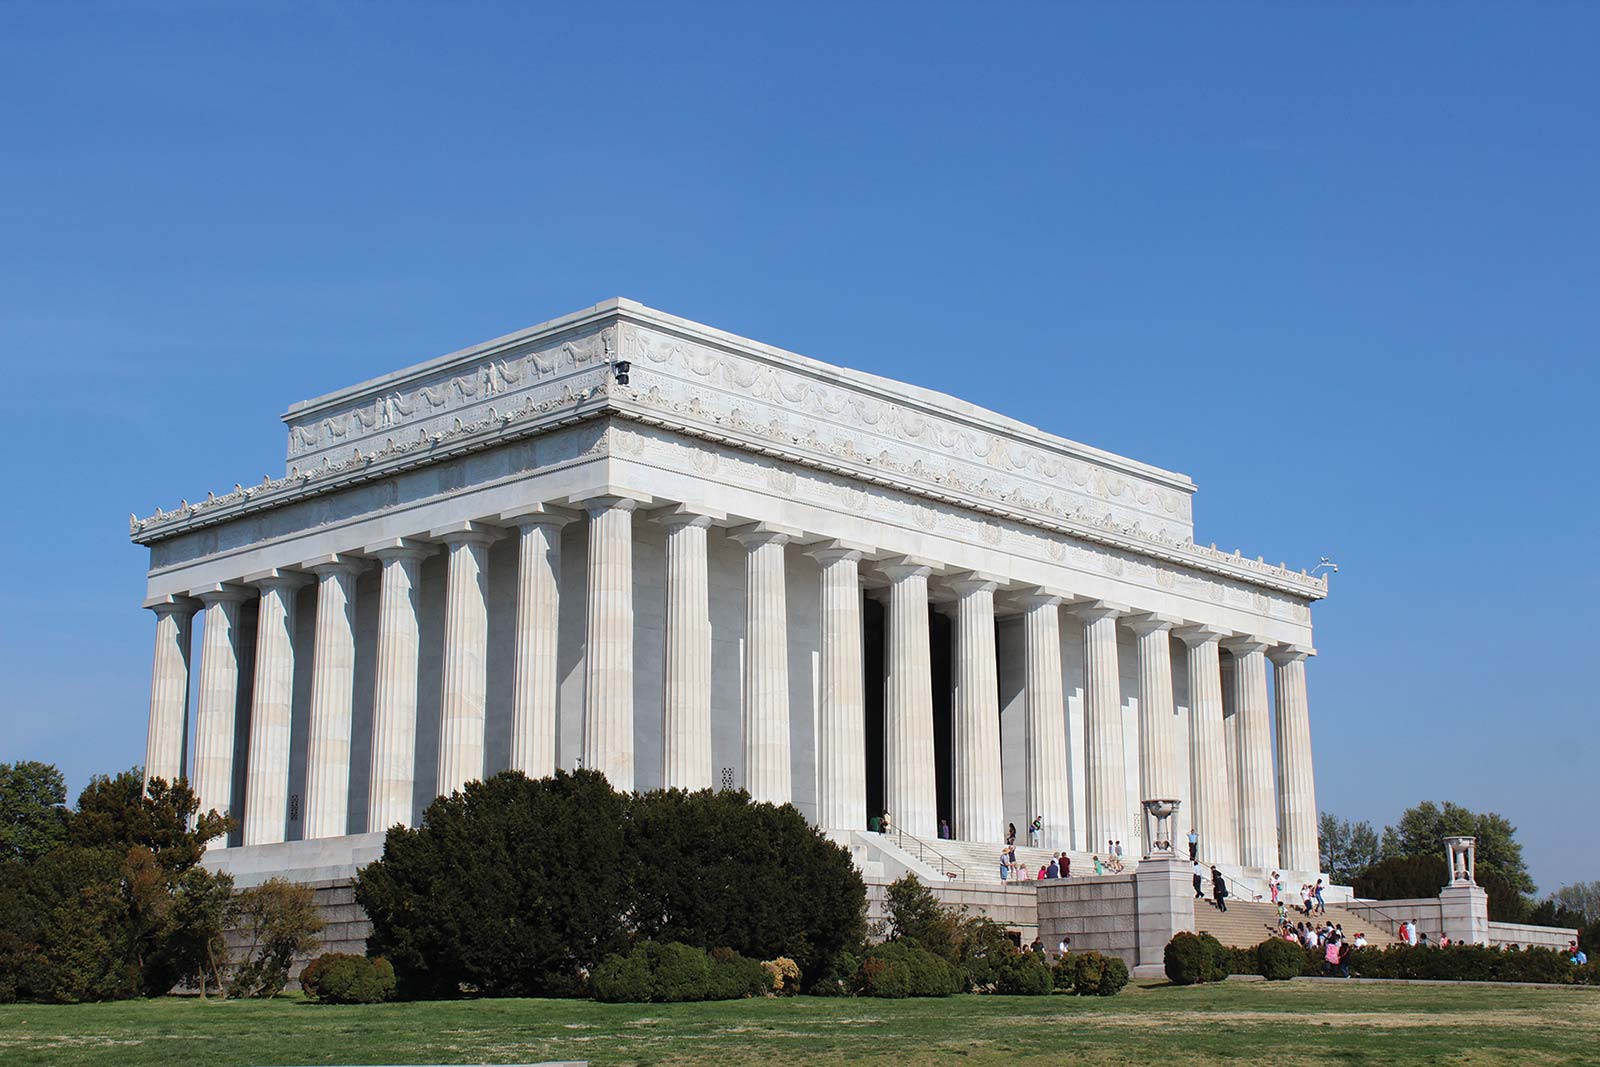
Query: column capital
(172,604)
(1281,654)
(1245,644)
(756,534)
(606,497)
(688,515)
(1196,634)
(1039,597)
(277,578)
(899,568)
(536,515)
(222,592)
(1095,610)
(333,563)
(971,582)
(466,533)
(399,548)
(828,552)
(1150,623)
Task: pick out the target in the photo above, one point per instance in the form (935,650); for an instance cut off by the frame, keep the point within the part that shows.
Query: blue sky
(1338,264)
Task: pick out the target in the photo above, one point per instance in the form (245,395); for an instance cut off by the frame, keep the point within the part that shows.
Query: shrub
(785,975)
(926,975)
(1026,975)
(985,954)
(1098,975)
(1279,959)
(1064,973)
(343,978)
(880,977)
(278,921)
(1190,959)
(666,973)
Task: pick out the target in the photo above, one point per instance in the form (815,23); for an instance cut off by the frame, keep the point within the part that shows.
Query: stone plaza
(625,541)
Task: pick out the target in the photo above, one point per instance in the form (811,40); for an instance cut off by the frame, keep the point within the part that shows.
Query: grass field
(1261,1024)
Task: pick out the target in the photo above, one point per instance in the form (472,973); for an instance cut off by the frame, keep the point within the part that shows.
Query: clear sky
(1338,263)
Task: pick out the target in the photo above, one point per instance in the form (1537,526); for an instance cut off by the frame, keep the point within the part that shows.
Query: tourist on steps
(1194,845)
(1011,833)
(1219,890)
(1035,830)
(1199,881)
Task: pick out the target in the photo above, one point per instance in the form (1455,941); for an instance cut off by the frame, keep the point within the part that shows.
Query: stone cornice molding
(562,380)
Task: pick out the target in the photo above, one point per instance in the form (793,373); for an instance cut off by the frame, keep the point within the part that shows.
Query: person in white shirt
(1360,941)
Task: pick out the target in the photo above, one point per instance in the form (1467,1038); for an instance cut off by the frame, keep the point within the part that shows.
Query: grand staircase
(1247,923)
(979,861)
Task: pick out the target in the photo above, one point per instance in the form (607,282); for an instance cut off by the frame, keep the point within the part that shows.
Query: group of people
(1311,902)
(1011,869)
(1328,939)
(1219,885)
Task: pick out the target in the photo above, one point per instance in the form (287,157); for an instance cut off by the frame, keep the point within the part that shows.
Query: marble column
(766,665)
(394,694)
(1210,802)
(169,690)
(842,723)
(333,681)
(266,798)
(465,666)
(1158,756)
(1258,822)
(217,709)
(979,798)
(1106,792)
(533,704)
(686,689)
(1297,794)
(608,642)
(1047,786)
(910,791)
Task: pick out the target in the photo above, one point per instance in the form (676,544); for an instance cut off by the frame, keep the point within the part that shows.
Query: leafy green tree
(121,811)
(33,813)
(1422,829)
(1345,849)
(278,921)
(915,913)
(508,888)
(64,930)
(715,869)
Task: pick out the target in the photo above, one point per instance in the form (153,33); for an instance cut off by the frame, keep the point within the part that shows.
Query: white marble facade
(743,567)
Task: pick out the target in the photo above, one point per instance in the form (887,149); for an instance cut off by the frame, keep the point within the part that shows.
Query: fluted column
(1211,804)
(333,680)
(1297,794)
(533,703)
(608,642)
(910,791)
(842,726)
(169,690)
(1158,756)
(1106,795)
(394,694)
(1046,787)
(266,799)
(465,667)
(766,665)
(1258,821)
(979,797)
(686,695)
(217,709)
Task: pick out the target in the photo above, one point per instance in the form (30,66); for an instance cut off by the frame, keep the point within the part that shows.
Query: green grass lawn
(1261,1024)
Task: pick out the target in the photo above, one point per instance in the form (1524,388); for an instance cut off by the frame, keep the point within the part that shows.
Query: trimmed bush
(1098,975)
(1190,959)
(343,978)
(1063,974)
(925,975)
(667,973)
(1027,975)
(1279,960)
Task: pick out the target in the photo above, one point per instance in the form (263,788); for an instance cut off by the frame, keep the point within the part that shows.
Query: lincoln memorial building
(625,541)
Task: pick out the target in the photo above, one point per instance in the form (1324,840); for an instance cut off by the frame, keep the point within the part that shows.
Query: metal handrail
(947,866)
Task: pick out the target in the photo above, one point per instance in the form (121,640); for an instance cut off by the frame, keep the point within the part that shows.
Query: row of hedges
(1191,958)
(666,973)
